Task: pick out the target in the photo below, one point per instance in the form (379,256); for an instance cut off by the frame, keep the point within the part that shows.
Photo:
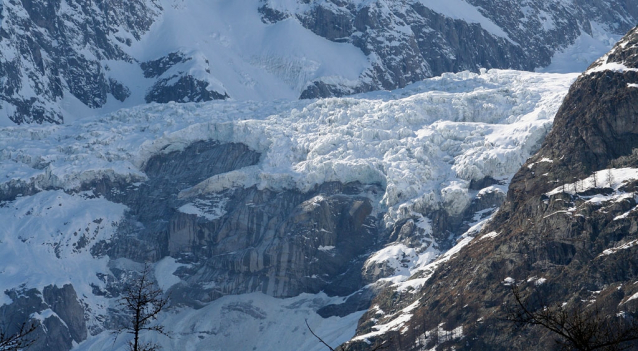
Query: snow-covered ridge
(274,49)
(423,143)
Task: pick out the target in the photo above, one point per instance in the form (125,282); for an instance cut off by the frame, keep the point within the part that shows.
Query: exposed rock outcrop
(56,311)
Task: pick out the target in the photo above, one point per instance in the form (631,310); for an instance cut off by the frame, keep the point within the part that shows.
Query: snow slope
(245,322)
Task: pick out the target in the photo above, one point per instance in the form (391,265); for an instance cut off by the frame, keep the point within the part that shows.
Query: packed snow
(625,246)
(460,9)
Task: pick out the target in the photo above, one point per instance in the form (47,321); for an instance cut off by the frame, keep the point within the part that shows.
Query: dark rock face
(184,89)
(241,240)
(57,312)
(64,302)
(579,238)
(279,243)
(174,83)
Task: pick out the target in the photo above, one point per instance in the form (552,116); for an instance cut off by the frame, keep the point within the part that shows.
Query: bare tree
(19,340)
(378,346)
(577,328)
(143,300)
(610,178)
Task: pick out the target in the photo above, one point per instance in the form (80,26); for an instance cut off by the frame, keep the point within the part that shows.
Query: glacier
(424,145)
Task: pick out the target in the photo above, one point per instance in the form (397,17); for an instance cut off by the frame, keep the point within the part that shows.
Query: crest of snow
(632,85)
(460,9)
(489,235)
(41,316)
(618,248)
(509,281)
(209,209)
(273,324)
(616,197)
(611,66)
(326,248)
(394,323)
(537,281)
(632,297)
(164,270)
(610,178)
(626,214)
(544,159)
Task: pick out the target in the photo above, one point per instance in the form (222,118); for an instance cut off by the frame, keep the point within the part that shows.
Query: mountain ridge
(66,59)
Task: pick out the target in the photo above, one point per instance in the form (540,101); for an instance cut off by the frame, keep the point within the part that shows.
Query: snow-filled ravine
(422,144)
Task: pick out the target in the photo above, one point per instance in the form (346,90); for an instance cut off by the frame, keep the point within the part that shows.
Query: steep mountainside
(568,229)
(65,59)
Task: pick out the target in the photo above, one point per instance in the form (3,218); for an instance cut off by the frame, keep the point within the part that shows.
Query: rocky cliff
(66,59)
(568,229)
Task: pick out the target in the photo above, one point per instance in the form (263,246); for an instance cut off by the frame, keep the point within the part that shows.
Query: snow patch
(619,248)
(460,9)
(164,270)
(207,208)
(489,235)
(586,49)
(611,178)
(326,248)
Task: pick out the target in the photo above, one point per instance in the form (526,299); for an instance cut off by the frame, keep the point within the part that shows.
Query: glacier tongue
(415,142)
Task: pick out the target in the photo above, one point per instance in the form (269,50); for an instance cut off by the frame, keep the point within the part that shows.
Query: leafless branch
(19,340)
(577,327)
